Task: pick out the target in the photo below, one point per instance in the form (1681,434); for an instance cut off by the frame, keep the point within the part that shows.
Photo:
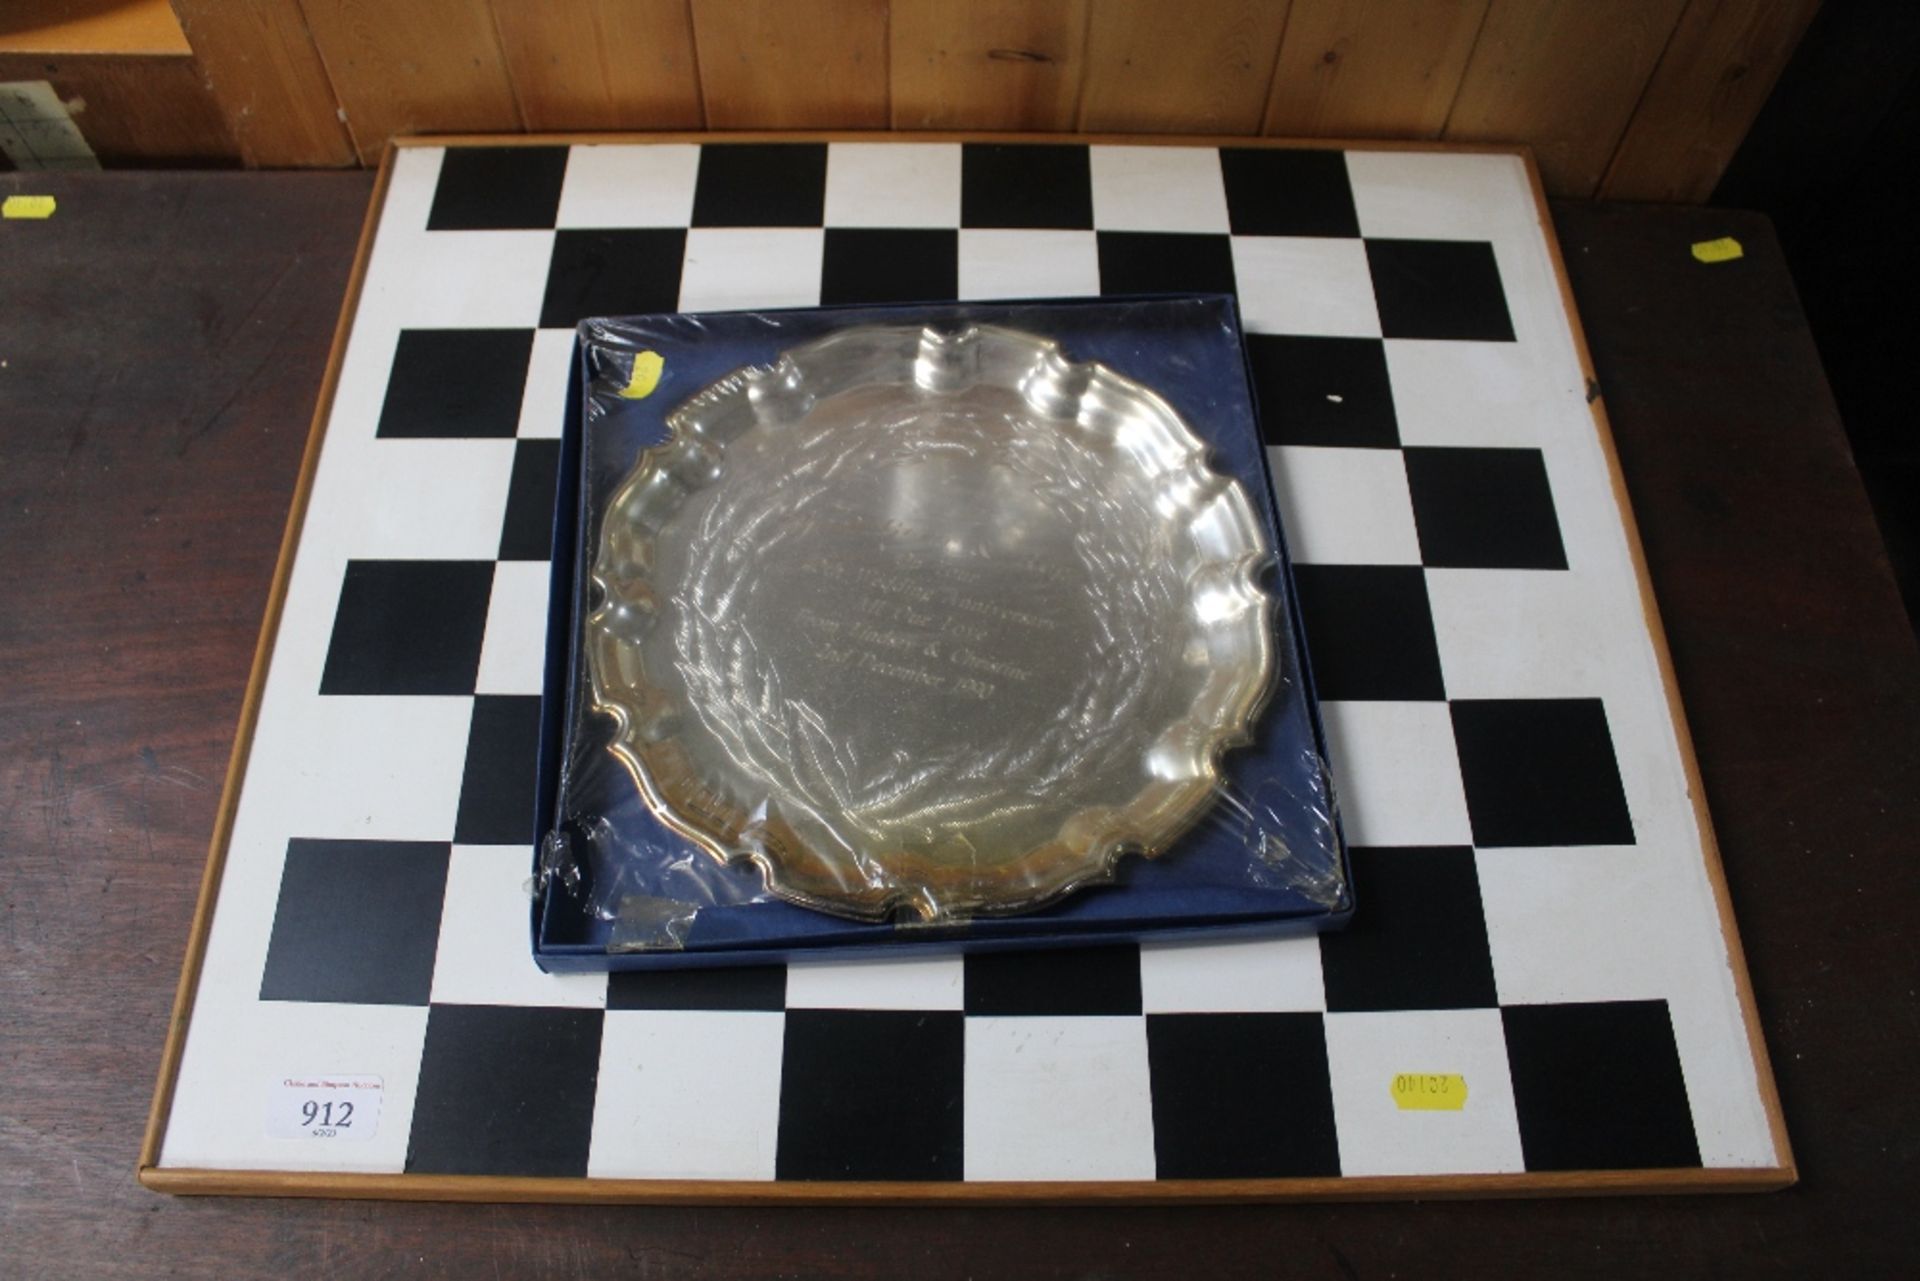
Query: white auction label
(324,1107)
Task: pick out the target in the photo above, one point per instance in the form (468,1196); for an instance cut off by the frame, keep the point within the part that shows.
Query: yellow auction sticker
(27,207)
(645,377)
(1725,249)
(1430,1091)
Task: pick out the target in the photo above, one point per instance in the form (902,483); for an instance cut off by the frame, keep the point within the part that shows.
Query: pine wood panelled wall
(1717,70)
(1564,75)
(1635,99)
(792,64)
(1372,68)
(991,64)
(1155,67)
(600,64)
(259,63)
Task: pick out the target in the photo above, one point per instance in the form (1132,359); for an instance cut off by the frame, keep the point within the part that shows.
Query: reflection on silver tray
(928,621)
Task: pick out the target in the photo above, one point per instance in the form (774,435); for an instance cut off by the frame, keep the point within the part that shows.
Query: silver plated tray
(933,622)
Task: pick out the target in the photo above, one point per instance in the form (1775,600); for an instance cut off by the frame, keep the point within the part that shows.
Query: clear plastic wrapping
(906,621)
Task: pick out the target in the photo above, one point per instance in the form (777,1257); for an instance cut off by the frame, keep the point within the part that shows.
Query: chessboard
(1542,988)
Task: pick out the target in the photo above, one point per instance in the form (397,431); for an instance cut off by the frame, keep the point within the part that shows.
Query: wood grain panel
(993,64)
(1371,68)
(1716,73)
(1199,67)
(601,64)
(70,27)
(792,64)
(259,63)
(138,110)
(422,66)
(1563,76)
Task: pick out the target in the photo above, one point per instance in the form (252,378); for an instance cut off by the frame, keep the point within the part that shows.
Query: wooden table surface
(161,344)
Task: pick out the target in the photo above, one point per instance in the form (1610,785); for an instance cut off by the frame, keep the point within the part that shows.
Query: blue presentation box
(1269,858)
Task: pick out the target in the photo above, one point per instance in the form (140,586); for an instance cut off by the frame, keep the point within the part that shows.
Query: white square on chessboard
(242,930)
(893,184)
(238,1054)
(357,767)
(1365,1052)
(361,392)
(1490,394)
(629,186)
(455,280)
(1058,1098)
(1158,189)
(1398,773)
(1531,634)
(485,956)
(1440,196)
(1345,506)
(1579,923)
(1309,285)
(1238,976)
(409,499)
(411,188)
(687,1095)
(739,268)
(302,640)
(1028,264)
(918,983)
(514,653)
(543,405)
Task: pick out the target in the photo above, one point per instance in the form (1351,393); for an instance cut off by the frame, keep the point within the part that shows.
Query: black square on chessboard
(1484,509)
(871,1094)
(456,382)
(1418,939)
(1540,771)
(528,532)
(1165,262)
(1323,391)
(743,987)
(506,1090)
(889,265)
(496,791)
(1438,289)
(1072,980)
(498,188)
(1598,1086)
(408,627)
(1026,186)
(357,922)
(1369,632)
(772,184)
(1241,1096)
(625,271)
(1275,191)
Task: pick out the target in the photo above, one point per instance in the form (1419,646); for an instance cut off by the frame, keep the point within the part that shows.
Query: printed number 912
(322,1114)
